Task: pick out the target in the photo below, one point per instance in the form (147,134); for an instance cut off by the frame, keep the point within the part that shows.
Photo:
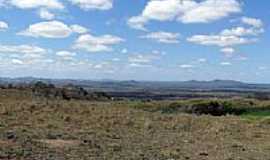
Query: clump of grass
(257,115)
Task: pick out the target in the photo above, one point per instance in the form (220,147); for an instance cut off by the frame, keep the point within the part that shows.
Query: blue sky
(165,40)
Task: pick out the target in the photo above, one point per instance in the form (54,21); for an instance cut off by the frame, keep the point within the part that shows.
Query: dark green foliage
(201,107)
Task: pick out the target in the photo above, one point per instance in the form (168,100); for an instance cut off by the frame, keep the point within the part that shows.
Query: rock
(10,135)
(116,147)
(203,154)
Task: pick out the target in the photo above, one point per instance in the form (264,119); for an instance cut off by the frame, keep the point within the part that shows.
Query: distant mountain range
(113,85)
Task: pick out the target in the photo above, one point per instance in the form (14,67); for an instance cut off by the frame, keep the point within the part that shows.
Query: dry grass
(74,130)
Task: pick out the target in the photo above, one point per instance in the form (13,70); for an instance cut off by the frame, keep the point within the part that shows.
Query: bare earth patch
(6,143)
(59,143)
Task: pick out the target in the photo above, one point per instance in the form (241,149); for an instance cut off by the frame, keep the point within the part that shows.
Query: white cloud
(23,54)
(139,65)
(22,49)
(253,22)
(144,58)
(46,14)
(227,51)
(103,66)
(17,61)
(186,66)
(93,4)
(163,37)
(52,29)
(44,6)
(201,60)
(226,63)
(30,4)
(78,29)
(65,54)
(137,22)
(3,26)
(116,59)
(164,10)
(140,59)
(210,10)
(219,40)
(92,43)
(241,31)
(228,38)
(185,11)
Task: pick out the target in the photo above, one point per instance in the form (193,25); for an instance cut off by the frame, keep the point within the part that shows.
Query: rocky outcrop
(68,92)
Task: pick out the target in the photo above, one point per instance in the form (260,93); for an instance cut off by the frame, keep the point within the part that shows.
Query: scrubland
(36,128)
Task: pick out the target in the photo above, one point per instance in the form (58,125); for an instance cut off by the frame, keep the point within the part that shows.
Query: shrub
(214,108)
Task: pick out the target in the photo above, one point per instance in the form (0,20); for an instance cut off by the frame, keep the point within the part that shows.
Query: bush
(214,108)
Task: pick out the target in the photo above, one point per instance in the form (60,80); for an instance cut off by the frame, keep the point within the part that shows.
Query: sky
(153,40)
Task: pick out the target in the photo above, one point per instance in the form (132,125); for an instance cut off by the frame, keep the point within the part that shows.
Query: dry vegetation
(40,129)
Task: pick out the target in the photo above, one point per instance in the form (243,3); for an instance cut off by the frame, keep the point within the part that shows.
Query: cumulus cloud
(22,54)
(228,37)
(30,4)
(228,51)
(66,55)
(210,10)
(3,26)
(116,59)
(241,31)
(140,59)
(22,49)
(201,60)
(139,65)
(17,61)
(78,29)
(253,22)
(90,43)
(186,66)
(144,58)
(93,4)
(163,37)
(226,63)
(185,11)
(44,7)
(52,29)
(137,22)
(219,40)
(46,14)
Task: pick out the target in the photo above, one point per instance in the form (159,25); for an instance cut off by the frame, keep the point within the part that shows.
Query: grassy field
(40,129)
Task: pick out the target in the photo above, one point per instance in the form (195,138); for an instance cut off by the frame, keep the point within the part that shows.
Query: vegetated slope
(112,85)
(154,90)
(44,90)
(66,130)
